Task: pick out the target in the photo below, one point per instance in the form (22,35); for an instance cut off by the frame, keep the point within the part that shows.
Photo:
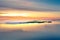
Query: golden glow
(28,13)
(15,14)
(24,27)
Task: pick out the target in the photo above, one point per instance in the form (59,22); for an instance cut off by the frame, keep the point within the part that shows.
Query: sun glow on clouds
(27,15)
(31,14)
(18,15)
(15,14)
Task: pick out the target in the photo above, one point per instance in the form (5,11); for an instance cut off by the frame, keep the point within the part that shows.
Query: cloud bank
(28,5)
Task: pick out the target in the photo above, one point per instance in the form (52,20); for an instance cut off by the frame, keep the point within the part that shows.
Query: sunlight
(15,14)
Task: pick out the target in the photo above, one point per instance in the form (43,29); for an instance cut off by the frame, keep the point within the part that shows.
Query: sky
(34,5)
(30,9)
(27,10)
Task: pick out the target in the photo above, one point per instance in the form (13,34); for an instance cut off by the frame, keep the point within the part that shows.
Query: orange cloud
(26,15)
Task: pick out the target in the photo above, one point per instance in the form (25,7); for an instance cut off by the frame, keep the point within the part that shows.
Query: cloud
(27,5)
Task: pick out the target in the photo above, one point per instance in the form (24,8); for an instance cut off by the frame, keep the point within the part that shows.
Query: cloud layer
(28,5)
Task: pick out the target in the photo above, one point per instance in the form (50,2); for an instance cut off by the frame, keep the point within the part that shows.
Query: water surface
(41,31)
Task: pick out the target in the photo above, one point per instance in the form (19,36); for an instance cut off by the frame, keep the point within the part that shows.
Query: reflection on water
(42,31)
(29,26)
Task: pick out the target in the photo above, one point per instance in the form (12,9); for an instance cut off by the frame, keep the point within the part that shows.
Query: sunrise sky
(29,19)
(29,9)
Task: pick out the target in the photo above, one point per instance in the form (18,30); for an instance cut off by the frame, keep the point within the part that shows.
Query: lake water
(42,31)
